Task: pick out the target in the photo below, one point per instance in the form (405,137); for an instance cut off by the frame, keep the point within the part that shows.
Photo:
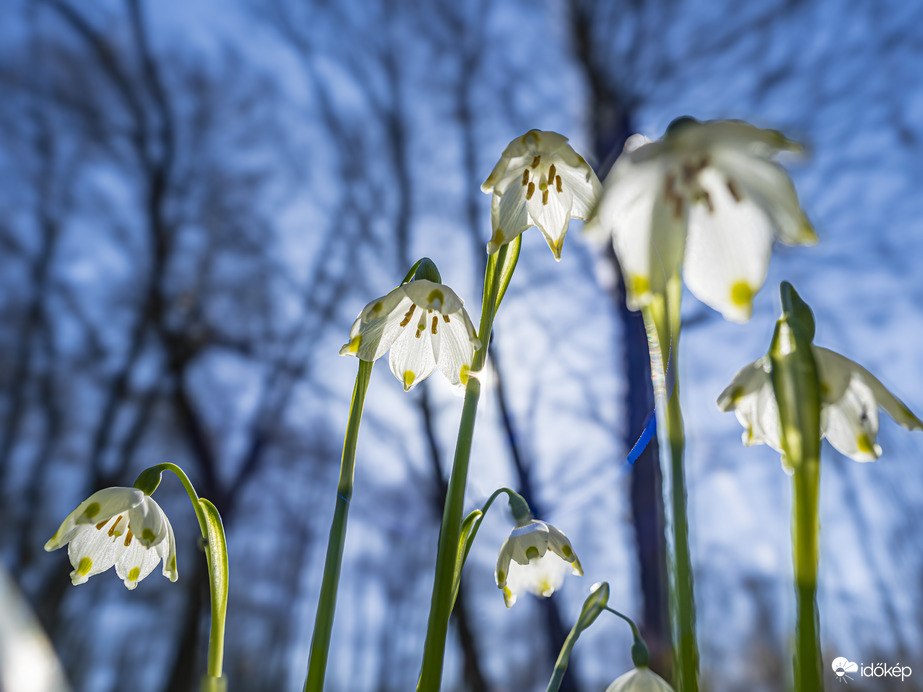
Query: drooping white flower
(707,197)
(425,325)
(539,181)
(850,398)
(641,679)
(119,527)
(536,557)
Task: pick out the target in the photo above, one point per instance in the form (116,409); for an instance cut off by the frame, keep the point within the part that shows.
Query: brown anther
(551,172)
(101,524)
(114,524)
(558,185)
(530,191)
(708,203)
(537,160)
(128,537)
(408,315)
(668,183)
(446,318)
(525,177)
(435,322)
(733,190)
(545,196)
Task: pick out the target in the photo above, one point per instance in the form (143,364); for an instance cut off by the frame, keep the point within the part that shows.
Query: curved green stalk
(472,524)
(216,553)
(326,605)
(500,268)
(662,322)
(594,604)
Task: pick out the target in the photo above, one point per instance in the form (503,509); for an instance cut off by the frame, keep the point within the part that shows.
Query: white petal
(559,544)
(167,551)
(147,522)
(457,345)
(584,187)
(432,296)
(541,576)
(552,216)
(93,550)
(639,680)
(648,235)
(135,562)
(851,424)
(100,506)
(411,357)
(832,367)
(727,250)
(377,335)
(375,329)
(528,542)
(508,218)
(767,185)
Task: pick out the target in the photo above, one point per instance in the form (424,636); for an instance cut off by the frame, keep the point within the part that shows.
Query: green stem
(217,560)
(326,605)
(662,321)
(805,533)
(495,281)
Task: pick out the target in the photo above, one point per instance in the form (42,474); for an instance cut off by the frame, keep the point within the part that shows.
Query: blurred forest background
(197,198)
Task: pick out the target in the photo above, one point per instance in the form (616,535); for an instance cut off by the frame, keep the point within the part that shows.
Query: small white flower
(641,679)
(425,325)
(536,557)
(708,198)
(119,527)
(539,180)
(850,398)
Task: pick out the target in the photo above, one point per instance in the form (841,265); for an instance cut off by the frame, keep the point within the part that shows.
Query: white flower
(536,557)
(708,198)
(850,398)
(641,679)
(539,180)
(425,325)
(121,527)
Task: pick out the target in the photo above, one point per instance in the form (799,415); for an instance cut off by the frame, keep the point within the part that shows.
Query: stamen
(530,191)
(708,202)
(733,190)
(435,322)
(101,524)
(128,537)
(551,172)
(525,177)
(446,318)
(668,183)
(408,315)
(559,186)
(545,196)
(114,524)
(537,160)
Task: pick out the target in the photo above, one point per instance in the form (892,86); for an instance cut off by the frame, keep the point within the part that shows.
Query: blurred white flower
(850,398)
(27,660)
(536,557)
(641,679)
(119,527)
(707,197)
(425,326)
(539,180)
